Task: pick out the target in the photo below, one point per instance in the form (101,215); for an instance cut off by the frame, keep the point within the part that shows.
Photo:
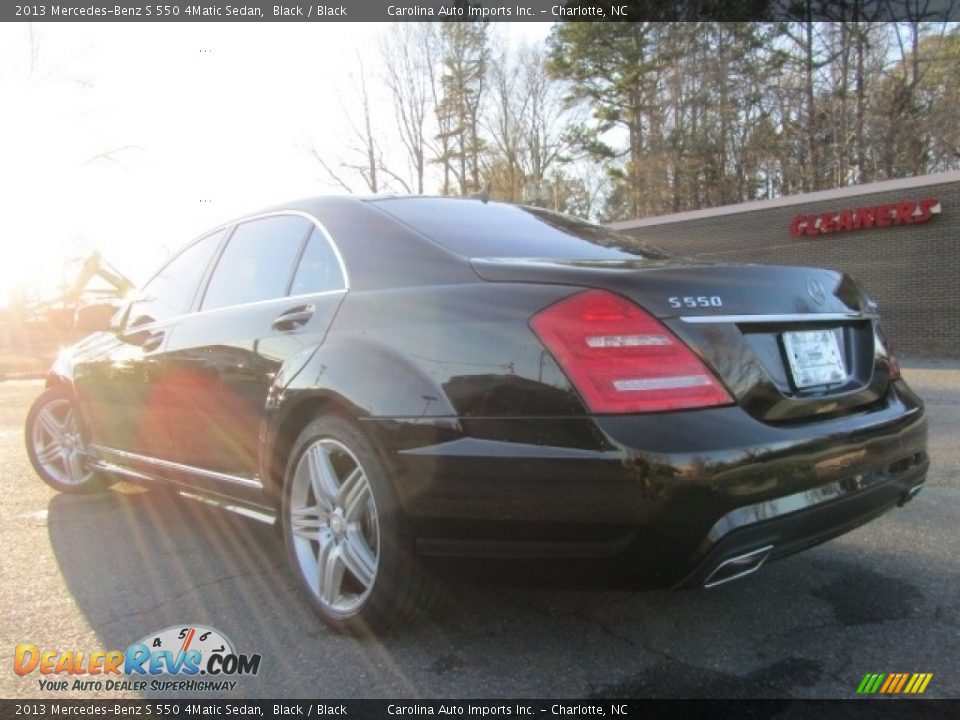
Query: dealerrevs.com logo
(180,658)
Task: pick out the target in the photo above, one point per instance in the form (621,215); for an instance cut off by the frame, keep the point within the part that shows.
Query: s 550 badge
(700,301)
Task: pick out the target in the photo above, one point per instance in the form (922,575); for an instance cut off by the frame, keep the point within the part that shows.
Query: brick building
(899,238)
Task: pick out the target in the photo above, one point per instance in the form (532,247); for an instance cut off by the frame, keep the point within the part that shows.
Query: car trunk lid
(681,288)
(790,343)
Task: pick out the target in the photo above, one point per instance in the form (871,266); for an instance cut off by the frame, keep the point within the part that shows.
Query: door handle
(152,341)
(293,318)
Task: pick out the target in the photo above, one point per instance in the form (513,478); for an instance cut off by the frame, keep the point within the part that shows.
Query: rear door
(269,302)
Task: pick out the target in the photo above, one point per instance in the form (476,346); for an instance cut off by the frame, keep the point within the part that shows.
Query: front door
(119,382)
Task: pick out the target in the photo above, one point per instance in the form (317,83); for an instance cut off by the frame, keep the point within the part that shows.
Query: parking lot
(101,572)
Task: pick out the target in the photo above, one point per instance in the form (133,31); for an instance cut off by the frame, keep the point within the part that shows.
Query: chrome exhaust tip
(737,567)
(909,495)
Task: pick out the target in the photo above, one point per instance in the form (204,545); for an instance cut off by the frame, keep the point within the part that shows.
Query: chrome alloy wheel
(58,445)
(334,526)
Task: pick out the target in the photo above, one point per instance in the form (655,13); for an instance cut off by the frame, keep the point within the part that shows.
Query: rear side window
(472,228)
(171,291)
(319,270)
(257,262)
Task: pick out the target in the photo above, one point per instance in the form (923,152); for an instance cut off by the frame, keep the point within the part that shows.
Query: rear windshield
(476,229)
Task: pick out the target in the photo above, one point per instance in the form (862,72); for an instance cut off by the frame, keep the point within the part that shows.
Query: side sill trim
(120,470)
(237,508)
(210,474)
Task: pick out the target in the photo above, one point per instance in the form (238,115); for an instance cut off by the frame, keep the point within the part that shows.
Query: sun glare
(118,139)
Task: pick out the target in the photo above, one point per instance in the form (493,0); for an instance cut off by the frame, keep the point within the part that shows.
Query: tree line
(621,120)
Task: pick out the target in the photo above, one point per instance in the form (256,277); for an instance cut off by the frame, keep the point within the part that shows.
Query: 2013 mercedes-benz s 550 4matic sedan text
(393,378)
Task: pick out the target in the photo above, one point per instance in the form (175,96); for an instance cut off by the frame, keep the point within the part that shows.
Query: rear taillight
(623,360)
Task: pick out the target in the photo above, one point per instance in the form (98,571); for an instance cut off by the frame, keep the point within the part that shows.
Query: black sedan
(394,378)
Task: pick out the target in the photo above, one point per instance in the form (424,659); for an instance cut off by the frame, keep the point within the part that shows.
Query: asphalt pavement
(87,573)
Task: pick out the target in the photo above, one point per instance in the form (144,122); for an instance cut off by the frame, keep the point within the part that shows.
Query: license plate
(815,358)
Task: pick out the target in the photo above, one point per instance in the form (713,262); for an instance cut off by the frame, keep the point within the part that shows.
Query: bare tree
(408,72)
(507,107)
(545,117)
(364,156)
(463,85)
(674,116)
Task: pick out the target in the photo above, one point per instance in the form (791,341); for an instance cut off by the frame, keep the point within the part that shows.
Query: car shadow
(137,561)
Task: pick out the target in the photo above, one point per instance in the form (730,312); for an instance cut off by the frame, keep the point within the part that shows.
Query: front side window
(172,290)
(257,262)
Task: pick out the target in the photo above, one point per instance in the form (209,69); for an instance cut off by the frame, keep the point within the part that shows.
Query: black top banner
(482,11)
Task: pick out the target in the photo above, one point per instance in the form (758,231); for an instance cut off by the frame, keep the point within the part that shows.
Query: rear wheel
(56,444)
(346,536)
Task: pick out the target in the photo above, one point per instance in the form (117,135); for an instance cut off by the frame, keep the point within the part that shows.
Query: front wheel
(56,445)
(346,536)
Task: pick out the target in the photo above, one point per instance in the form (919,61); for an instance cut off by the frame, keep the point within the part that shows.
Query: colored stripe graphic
(894,683)
(898,683)
(870,683)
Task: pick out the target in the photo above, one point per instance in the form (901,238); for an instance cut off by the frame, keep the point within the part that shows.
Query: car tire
(57,444)
(347,538)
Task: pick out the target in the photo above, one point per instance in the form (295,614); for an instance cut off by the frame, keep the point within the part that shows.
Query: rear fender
(377,380)
(352,376)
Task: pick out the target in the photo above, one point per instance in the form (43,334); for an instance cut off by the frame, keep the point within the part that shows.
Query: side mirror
(129,332)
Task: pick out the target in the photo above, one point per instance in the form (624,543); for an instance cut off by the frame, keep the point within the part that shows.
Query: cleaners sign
(905,212)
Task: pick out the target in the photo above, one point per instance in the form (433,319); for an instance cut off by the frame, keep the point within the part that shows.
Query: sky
(132,138)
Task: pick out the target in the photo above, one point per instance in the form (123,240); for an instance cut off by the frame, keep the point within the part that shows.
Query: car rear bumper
(669,498)
(742,541)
